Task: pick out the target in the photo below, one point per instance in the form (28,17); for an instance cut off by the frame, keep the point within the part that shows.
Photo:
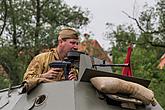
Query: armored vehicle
(73,95)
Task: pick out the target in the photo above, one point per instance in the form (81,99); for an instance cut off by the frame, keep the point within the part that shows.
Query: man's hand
(52,73)
(72,76)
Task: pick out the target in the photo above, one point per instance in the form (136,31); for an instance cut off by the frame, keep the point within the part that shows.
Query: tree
(151,24)
(29,23)
(149,46)
(121,36)
(28,26)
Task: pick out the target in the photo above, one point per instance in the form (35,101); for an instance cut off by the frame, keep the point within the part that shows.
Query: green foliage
(12,64)
(143,62)
(4,82)
(158,86)
(121,36)
(29,26)
(152,25)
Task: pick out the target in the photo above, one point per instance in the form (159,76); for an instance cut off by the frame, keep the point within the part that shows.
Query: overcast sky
(103,11)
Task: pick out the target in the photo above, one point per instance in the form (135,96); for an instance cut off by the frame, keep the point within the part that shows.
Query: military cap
(68,33)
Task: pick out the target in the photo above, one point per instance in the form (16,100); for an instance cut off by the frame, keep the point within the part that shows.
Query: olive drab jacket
(40,65)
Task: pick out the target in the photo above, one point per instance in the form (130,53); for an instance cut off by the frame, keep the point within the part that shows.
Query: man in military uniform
(39,71)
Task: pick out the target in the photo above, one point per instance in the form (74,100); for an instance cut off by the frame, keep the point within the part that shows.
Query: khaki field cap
(68,33)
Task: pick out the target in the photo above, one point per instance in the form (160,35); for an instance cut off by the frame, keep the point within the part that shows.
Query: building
(93,48)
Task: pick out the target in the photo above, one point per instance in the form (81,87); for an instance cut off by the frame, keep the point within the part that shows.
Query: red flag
(127,71)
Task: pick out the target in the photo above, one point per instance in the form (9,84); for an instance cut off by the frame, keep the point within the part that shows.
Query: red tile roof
(93,48)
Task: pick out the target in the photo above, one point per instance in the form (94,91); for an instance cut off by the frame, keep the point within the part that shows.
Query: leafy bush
(4,82)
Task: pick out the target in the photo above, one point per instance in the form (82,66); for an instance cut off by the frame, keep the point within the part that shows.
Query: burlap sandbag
(116,85)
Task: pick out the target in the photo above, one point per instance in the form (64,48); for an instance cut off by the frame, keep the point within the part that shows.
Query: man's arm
(34,69)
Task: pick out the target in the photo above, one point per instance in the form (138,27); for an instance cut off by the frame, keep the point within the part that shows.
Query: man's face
(69,44)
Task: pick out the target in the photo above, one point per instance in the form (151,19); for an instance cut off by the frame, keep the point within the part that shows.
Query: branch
(142,43)
(135,21)
(157,31)
(156,45)
(151,32)
(13,18)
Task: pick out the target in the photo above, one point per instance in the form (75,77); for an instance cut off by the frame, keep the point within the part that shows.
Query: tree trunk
(5,17)
(38,16)
(14,34)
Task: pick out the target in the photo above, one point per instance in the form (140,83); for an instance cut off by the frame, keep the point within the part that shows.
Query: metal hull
(64,95)
(67,95)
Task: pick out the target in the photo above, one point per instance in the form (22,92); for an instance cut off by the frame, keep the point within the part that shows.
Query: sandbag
(116,85)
